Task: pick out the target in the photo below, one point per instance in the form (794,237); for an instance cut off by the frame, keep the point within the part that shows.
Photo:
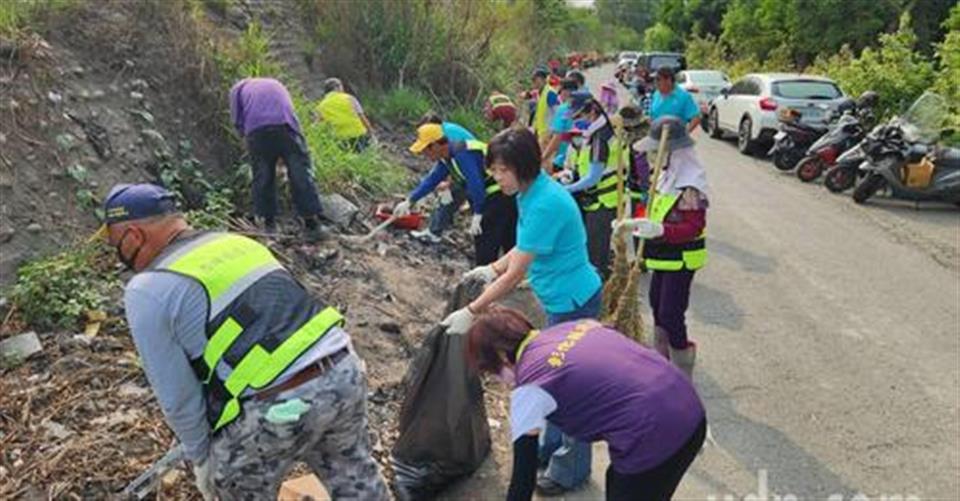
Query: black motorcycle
(824,153)
(902,156)
(793,139)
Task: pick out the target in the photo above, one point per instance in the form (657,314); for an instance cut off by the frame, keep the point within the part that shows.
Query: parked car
(627,58)
(653,61)
(704,86)
(749,107)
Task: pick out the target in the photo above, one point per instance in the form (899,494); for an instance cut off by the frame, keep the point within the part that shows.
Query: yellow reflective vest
(259,319)
(662,256)
(541,122)
(336,108)
(490,185)
(603,195)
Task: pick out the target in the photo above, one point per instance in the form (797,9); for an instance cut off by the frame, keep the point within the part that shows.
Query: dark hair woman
(550,250)
(594,384)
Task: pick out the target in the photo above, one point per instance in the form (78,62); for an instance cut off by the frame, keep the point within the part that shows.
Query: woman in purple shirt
(594,384)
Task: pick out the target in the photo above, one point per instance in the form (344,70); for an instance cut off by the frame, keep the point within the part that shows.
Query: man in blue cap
(251,372)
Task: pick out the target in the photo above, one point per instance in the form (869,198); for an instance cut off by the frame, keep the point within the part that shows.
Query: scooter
(793,139)
(846,173)
(823,154)
(902,156)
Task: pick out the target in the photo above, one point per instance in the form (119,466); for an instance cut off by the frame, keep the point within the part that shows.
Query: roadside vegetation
(898,48)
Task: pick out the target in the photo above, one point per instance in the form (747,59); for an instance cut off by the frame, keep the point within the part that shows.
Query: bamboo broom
(621,267)
(626,317)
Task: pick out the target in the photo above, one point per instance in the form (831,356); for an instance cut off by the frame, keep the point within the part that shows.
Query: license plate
(811,115)
(779,136)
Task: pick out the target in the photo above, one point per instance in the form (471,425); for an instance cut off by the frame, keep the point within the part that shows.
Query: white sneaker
(426,236)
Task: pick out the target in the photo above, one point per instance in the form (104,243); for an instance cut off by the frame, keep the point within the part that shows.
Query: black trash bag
(444,433)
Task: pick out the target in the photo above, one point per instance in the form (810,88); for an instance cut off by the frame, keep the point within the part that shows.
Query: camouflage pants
(322,423)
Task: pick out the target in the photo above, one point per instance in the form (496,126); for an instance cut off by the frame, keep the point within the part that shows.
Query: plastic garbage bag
(444,434)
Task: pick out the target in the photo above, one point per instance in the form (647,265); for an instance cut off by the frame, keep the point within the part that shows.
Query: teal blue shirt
(456,132)
(678,103)
(550,228)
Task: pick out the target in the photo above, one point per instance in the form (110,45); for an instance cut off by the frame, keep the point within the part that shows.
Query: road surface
(828,341)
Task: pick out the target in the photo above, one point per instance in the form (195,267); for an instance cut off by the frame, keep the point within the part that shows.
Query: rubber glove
(484,273)
(458,322)
(642,227)
(203,478)
(475,228)
(402,208)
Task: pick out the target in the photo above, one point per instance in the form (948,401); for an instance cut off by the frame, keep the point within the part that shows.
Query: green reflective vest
(541,123)
(489,183)
(662,256)
(259,319)
(603,195)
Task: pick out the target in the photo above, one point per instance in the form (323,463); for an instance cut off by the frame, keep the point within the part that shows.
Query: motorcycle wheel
(867,188)
(840,179)
(810,168)
(785,160)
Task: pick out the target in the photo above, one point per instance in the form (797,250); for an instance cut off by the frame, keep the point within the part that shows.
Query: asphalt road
(828,334)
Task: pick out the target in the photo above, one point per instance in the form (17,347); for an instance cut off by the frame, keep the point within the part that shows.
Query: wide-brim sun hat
(678,138)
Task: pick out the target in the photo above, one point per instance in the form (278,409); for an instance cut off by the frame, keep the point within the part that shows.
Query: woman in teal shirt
(551,251)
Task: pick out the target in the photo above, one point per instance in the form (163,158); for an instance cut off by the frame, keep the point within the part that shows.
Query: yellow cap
(427,134)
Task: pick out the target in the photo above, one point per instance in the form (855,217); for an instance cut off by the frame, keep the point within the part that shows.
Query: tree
(660,37)
(948,80)
(636,14)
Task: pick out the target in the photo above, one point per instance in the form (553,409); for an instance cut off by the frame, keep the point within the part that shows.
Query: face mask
(127,262)
(507,376)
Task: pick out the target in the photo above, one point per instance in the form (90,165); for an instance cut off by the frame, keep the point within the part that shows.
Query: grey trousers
(322,423)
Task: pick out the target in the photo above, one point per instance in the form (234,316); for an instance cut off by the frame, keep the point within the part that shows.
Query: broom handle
(621,175)
(652,191)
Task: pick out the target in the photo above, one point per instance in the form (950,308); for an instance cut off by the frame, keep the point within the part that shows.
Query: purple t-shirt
(608,387)
(260,102)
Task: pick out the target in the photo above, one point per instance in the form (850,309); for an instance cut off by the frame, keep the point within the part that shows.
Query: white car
(627,58)
(749,107)
(704,86)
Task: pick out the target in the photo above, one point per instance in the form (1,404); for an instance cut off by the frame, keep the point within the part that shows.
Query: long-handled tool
(147,482)
(369,236)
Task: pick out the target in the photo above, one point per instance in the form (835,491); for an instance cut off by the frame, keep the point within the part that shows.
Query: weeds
(15,14)
(400,106)
(59,291)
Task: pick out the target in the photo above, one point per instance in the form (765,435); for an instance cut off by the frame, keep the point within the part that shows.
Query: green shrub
(399,106)
(948,80)
(58,291)
(14,14)
(473,120)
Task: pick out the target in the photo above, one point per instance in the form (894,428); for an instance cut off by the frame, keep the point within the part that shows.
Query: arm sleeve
(437,174)
(552,99)
(472,167)
(236,107)
(524,476)
(167,367)
(690,108)
(356,105)
(529,407)
(692,209)
(590,180)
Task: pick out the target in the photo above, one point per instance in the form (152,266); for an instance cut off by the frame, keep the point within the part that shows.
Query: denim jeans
(568,460)
(442,217)
(269,144)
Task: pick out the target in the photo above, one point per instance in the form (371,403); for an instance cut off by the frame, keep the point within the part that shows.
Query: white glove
(484,273)
(643,227)
(566,177)
(458,322)
(402,208)
(203,477)
(475,228)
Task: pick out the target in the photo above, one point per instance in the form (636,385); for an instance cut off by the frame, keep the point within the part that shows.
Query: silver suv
(749,108)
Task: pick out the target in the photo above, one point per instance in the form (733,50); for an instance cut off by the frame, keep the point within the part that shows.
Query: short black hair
(430,117)
(569,84)
(578,77)
(539,72)
(666,72)
(518,149)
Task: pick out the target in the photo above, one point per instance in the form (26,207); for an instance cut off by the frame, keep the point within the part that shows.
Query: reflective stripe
(499,101)
(258,368)
(662,256)
(490,185)
(523,344)
(540,125)
(219,343)
(218,305)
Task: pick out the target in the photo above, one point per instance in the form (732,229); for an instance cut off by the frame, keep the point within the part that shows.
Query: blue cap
(579,99)
(128,202)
